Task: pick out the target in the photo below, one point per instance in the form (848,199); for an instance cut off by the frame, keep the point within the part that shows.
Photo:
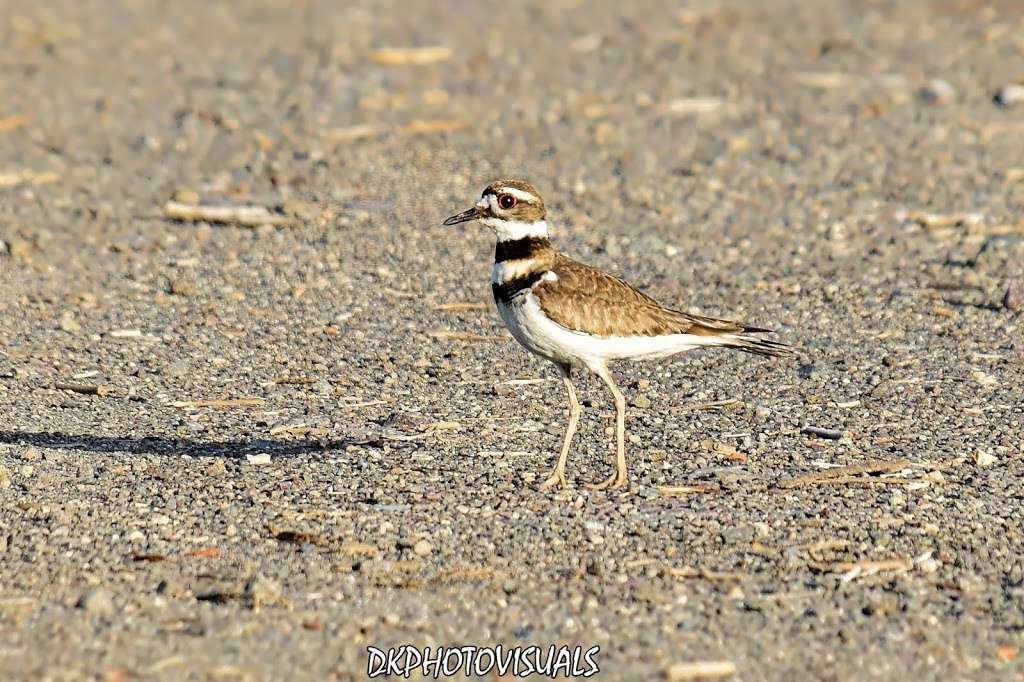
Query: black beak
(464,217)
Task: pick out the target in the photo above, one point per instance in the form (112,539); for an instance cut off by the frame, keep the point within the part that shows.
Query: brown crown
(529,211)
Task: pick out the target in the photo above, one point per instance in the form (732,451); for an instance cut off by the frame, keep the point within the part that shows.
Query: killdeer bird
(577,316)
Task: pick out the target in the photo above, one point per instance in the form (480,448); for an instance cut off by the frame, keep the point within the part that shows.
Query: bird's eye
(506,201)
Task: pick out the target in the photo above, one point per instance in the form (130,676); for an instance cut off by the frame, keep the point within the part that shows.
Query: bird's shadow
(169,445)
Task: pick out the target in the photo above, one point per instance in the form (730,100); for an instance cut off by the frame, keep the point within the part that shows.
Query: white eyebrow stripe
(517,193)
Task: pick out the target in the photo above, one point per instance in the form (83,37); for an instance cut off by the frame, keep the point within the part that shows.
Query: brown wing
(587,300)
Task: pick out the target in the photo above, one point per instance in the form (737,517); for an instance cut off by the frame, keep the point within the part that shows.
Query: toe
(554,481)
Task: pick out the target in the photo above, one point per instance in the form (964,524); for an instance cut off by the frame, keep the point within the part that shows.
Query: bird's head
(511,208)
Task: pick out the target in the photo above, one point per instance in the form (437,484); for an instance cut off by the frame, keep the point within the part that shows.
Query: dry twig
(701,670)
(220,404)
(246,216)
(410,56)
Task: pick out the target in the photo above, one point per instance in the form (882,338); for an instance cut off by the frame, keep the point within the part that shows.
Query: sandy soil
(837,170)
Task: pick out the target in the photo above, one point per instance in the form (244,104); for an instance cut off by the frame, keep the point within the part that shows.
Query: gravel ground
(838,170)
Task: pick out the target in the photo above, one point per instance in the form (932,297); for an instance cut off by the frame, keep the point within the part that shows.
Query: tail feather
(756,345)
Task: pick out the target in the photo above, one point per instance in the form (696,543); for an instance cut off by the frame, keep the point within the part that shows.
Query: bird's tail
(757,345)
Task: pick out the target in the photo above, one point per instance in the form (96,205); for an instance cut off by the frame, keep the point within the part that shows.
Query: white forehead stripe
(517,193)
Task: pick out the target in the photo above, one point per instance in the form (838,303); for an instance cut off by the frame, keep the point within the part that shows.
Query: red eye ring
(507,201)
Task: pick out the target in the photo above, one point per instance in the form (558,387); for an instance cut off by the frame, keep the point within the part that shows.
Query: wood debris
(417,127)
(363,403)
(859,474)
(727,404)
(823,80)
(124,333)
(356,132)
(701,670)
(357,549)
(220,403)
(440,426)
(422,127)
(464,573)
(683,490)
(693,105)
(931,220)
(292,380)
(863,569)
(148,557)
(830,434)
(246,216)
(703,574)
(85,389)
(12,178)
(460,307)
(451,335)
(206,553)
(410,56)
(815,549)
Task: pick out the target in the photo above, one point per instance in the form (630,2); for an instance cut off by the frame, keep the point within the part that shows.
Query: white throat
(511,230)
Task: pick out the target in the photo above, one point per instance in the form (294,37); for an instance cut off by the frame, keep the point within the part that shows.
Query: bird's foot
(556,479)
(615,481)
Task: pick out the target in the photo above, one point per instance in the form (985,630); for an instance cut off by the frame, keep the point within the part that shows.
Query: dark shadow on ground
(170,445)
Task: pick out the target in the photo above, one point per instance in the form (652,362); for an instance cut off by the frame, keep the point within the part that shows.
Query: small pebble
(937,91)
(262,591)
(1013,299)
(31,455)
(182,287)
(983,458)
(20,250)
(642,402)
(259,459)
(809,371)
(68,323)
(124,333)
(1009,95)
(97,602)
(216,468)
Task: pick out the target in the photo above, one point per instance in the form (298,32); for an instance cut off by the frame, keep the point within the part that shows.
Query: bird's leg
(618,479)
(557,476)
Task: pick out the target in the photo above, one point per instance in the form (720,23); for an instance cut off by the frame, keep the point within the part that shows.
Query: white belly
(539,334)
